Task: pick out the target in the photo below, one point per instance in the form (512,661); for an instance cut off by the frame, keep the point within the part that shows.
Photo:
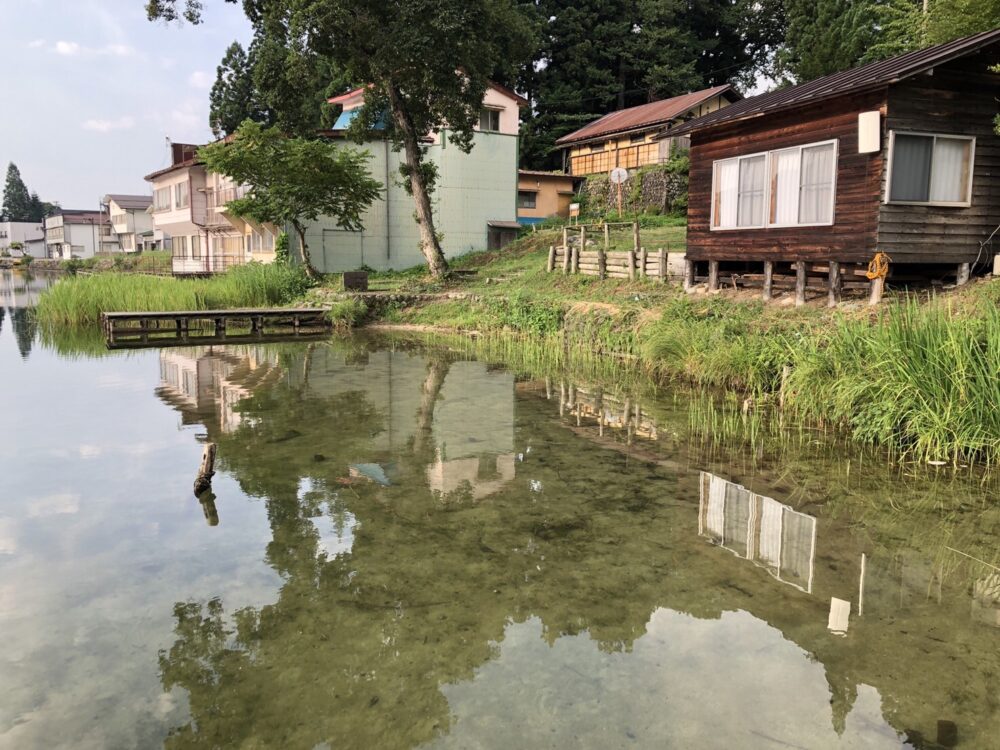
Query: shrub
(347,313)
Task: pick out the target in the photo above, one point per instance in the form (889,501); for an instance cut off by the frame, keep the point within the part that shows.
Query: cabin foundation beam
(713,275)
(833,292)
(768,280)
(800,283)
(688,275)
(964,274)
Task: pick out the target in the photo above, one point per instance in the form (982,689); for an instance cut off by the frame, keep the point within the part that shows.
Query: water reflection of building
(466,409)
(760,529)
(205,385)
(592,404)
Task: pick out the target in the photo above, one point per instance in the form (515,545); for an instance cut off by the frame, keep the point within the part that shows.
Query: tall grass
(80,301)
(922,380)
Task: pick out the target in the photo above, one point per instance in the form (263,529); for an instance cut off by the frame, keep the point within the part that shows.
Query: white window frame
(768,161)
(767,190)
(177,195)
(944,204)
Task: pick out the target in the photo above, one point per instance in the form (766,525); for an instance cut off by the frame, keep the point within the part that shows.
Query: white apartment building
(30,235)
(73,233)
(131,221)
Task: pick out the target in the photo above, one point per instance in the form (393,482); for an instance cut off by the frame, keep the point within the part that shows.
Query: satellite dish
(618,175)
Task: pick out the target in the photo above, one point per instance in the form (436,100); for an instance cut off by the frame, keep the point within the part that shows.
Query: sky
(90,90)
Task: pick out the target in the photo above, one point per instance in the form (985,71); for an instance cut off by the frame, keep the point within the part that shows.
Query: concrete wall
(472,189)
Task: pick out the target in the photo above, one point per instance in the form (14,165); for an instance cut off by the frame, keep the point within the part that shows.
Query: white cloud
(72,49)
(106,126)
(67,48)
(167,63)
(117,50)
(200,80)
(54,505)
(36,43)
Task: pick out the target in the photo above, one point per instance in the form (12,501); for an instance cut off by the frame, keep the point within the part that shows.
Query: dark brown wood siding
(851,238)
(959,98)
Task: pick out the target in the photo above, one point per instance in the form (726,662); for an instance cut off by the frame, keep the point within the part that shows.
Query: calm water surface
(406,548)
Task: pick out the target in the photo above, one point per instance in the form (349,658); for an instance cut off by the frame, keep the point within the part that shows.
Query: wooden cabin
(638,136)
(806,184)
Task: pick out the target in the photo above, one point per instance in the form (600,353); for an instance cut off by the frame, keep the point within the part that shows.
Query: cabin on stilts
(895,162)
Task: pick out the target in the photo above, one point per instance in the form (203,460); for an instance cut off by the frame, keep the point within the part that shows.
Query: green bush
(347,313)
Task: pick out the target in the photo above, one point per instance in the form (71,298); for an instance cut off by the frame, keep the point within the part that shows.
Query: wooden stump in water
(206,471)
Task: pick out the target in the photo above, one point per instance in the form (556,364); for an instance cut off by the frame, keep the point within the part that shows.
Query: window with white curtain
(931,169)
(783,188)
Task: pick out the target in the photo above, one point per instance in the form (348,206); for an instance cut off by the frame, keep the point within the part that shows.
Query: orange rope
(878,268)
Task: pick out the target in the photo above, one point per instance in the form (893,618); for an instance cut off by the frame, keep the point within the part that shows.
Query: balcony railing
(219,198)
(630,157)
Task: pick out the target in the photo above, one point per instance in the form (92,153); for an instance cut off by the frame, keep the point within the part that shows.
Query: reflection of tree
(25,328)
(355,648)
(2,315)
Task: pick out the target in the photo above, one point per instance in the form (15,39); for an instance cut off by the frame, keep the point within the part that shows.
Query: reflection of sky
(99,538)
(735,682)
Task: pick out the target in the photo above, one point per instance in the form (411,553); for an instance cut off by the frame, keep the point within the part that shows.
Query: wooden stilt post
(800,282)
(768,280)
(964,274)
(551,265)
(878,286)
(688,274)
(713,275)
(206,470)
(661,258)
(833,295)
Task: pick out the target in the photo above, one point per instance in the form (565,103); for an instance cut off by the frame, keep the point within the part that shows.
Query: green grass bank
(917,375)
(80,300)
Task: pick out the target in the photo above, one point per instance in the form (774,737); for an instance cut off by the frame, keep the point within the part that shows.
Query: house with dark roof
(78,233)
(628,137)
(804,185)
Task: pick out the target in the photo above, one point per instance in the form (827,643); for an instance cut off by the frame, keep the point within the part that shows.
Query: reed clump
(80,300)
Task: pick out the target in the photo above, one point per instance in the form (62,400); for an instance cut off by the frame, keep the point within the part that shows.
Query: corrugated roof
(873,75)
(645,115)
(130,201)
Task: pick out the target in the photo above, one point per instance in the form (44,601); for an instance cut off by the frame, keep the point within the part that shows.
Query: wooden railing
(630,157)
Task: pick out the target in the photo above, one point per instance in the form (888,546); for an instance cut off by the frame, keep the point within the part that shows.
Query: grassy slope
(917,376)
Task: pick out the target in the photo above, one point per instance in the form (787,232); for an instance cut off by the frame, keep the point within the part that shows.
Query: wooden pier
(130,330)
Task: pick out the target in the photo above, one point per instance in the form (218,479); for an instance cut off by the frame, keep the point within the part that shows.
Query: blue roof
(347,117)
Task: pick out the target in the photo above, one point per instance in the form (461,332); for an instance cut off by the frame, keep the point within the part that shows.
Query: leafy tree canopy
(293,180)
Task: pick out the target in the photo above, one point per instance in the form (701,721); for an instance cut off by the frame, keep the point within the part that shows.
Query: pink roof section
(645,115)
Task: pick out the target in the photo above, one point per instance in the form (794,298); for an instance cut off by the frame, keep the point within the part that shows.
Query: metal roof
(130,201)
(645,115)
(865,77)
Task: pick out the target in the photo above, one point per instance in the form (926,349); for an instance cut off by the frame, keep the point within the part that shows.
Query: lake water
(409,548)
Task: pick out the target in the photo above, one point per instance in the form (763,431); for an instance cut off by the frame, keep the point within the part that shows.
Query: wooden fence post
(661,257)
(635,236)
(575,263)
(583,237)
(607,236)
(833,293)
(567,257)
(800,282)
(643,258)
(768,280)
(602,263)
(551,265)
(631,265)
(713,275)
(565,237)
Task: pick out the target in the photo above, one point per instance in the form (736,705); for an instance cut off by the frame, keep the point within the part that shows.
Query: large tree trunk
(311,271)
(429,244)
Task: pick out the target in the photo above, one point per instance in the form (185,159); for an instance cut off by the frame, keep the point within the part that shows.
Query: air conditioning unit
(869,132)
